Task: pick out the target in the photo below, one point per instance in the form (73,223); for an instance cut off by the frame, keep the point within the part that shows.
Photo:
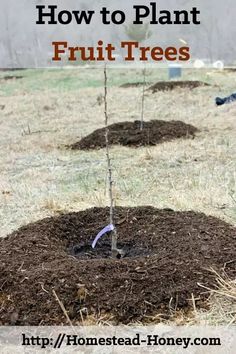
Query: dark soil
(231,70)
(168,254)
(10,77)
(129,134)
(171,85)
(135,84)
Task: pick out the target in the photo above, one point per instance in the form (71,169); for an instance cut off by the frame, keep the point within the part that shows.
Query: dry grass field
(48,109)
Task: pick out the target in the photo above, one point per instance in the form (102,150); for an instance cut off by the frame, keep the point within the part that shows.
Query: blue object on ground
(229,99)
(175,71)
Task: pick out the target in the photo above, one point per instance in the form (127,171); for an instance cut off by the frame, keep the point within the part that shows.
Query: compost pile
(171,85)
(167,256)
(129,134)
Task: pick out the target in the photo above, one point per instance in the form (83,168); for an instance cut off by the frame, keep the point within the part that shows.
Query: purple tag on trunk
(106,229)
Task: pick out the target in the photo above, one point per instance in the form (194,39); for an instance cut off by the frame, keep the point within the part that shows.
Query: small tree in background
(143,99)
(140,33)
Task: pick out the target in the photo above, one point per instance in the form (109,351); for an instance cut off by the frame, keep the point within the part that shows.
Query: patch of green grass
(74,79)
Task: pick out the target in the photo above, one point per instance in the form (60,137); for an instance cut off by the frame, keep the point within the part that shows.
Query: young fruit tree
(109,169)
(140,33)
(111,228)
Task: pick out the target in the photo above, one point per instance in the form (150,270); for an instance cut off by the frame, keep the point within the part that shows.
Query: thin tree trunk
(110,180)
(143,99)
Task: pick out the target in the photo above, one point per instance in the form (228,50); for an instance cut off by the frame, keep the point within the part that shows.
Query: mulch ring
(129,134)
(171,85)
(167,256)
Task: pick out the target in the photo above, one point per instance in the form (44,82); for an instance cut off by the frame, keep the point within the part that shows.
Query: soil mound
(171,85)
(230,70)
(167,255)
(134,84)
(129,134)
(10,77)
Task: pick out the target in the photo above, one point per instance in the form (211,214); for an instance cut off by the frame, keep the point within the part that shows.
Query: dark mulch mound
(171,85)
(10,77)
(167,256)
(230,70)
(134,84)
(129,134)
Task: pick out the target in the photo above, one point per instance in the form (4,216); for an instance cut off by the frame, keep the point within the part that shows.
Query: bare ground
(51,109)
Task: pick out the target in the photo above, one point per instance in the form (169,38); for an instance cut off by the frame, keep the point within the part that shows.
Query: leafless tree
(140,33)
(109,169)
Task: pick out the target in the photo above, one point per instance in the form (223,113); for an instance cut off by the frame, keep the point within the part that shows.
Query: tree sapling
(140,33)
(109,169)
(111,228)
